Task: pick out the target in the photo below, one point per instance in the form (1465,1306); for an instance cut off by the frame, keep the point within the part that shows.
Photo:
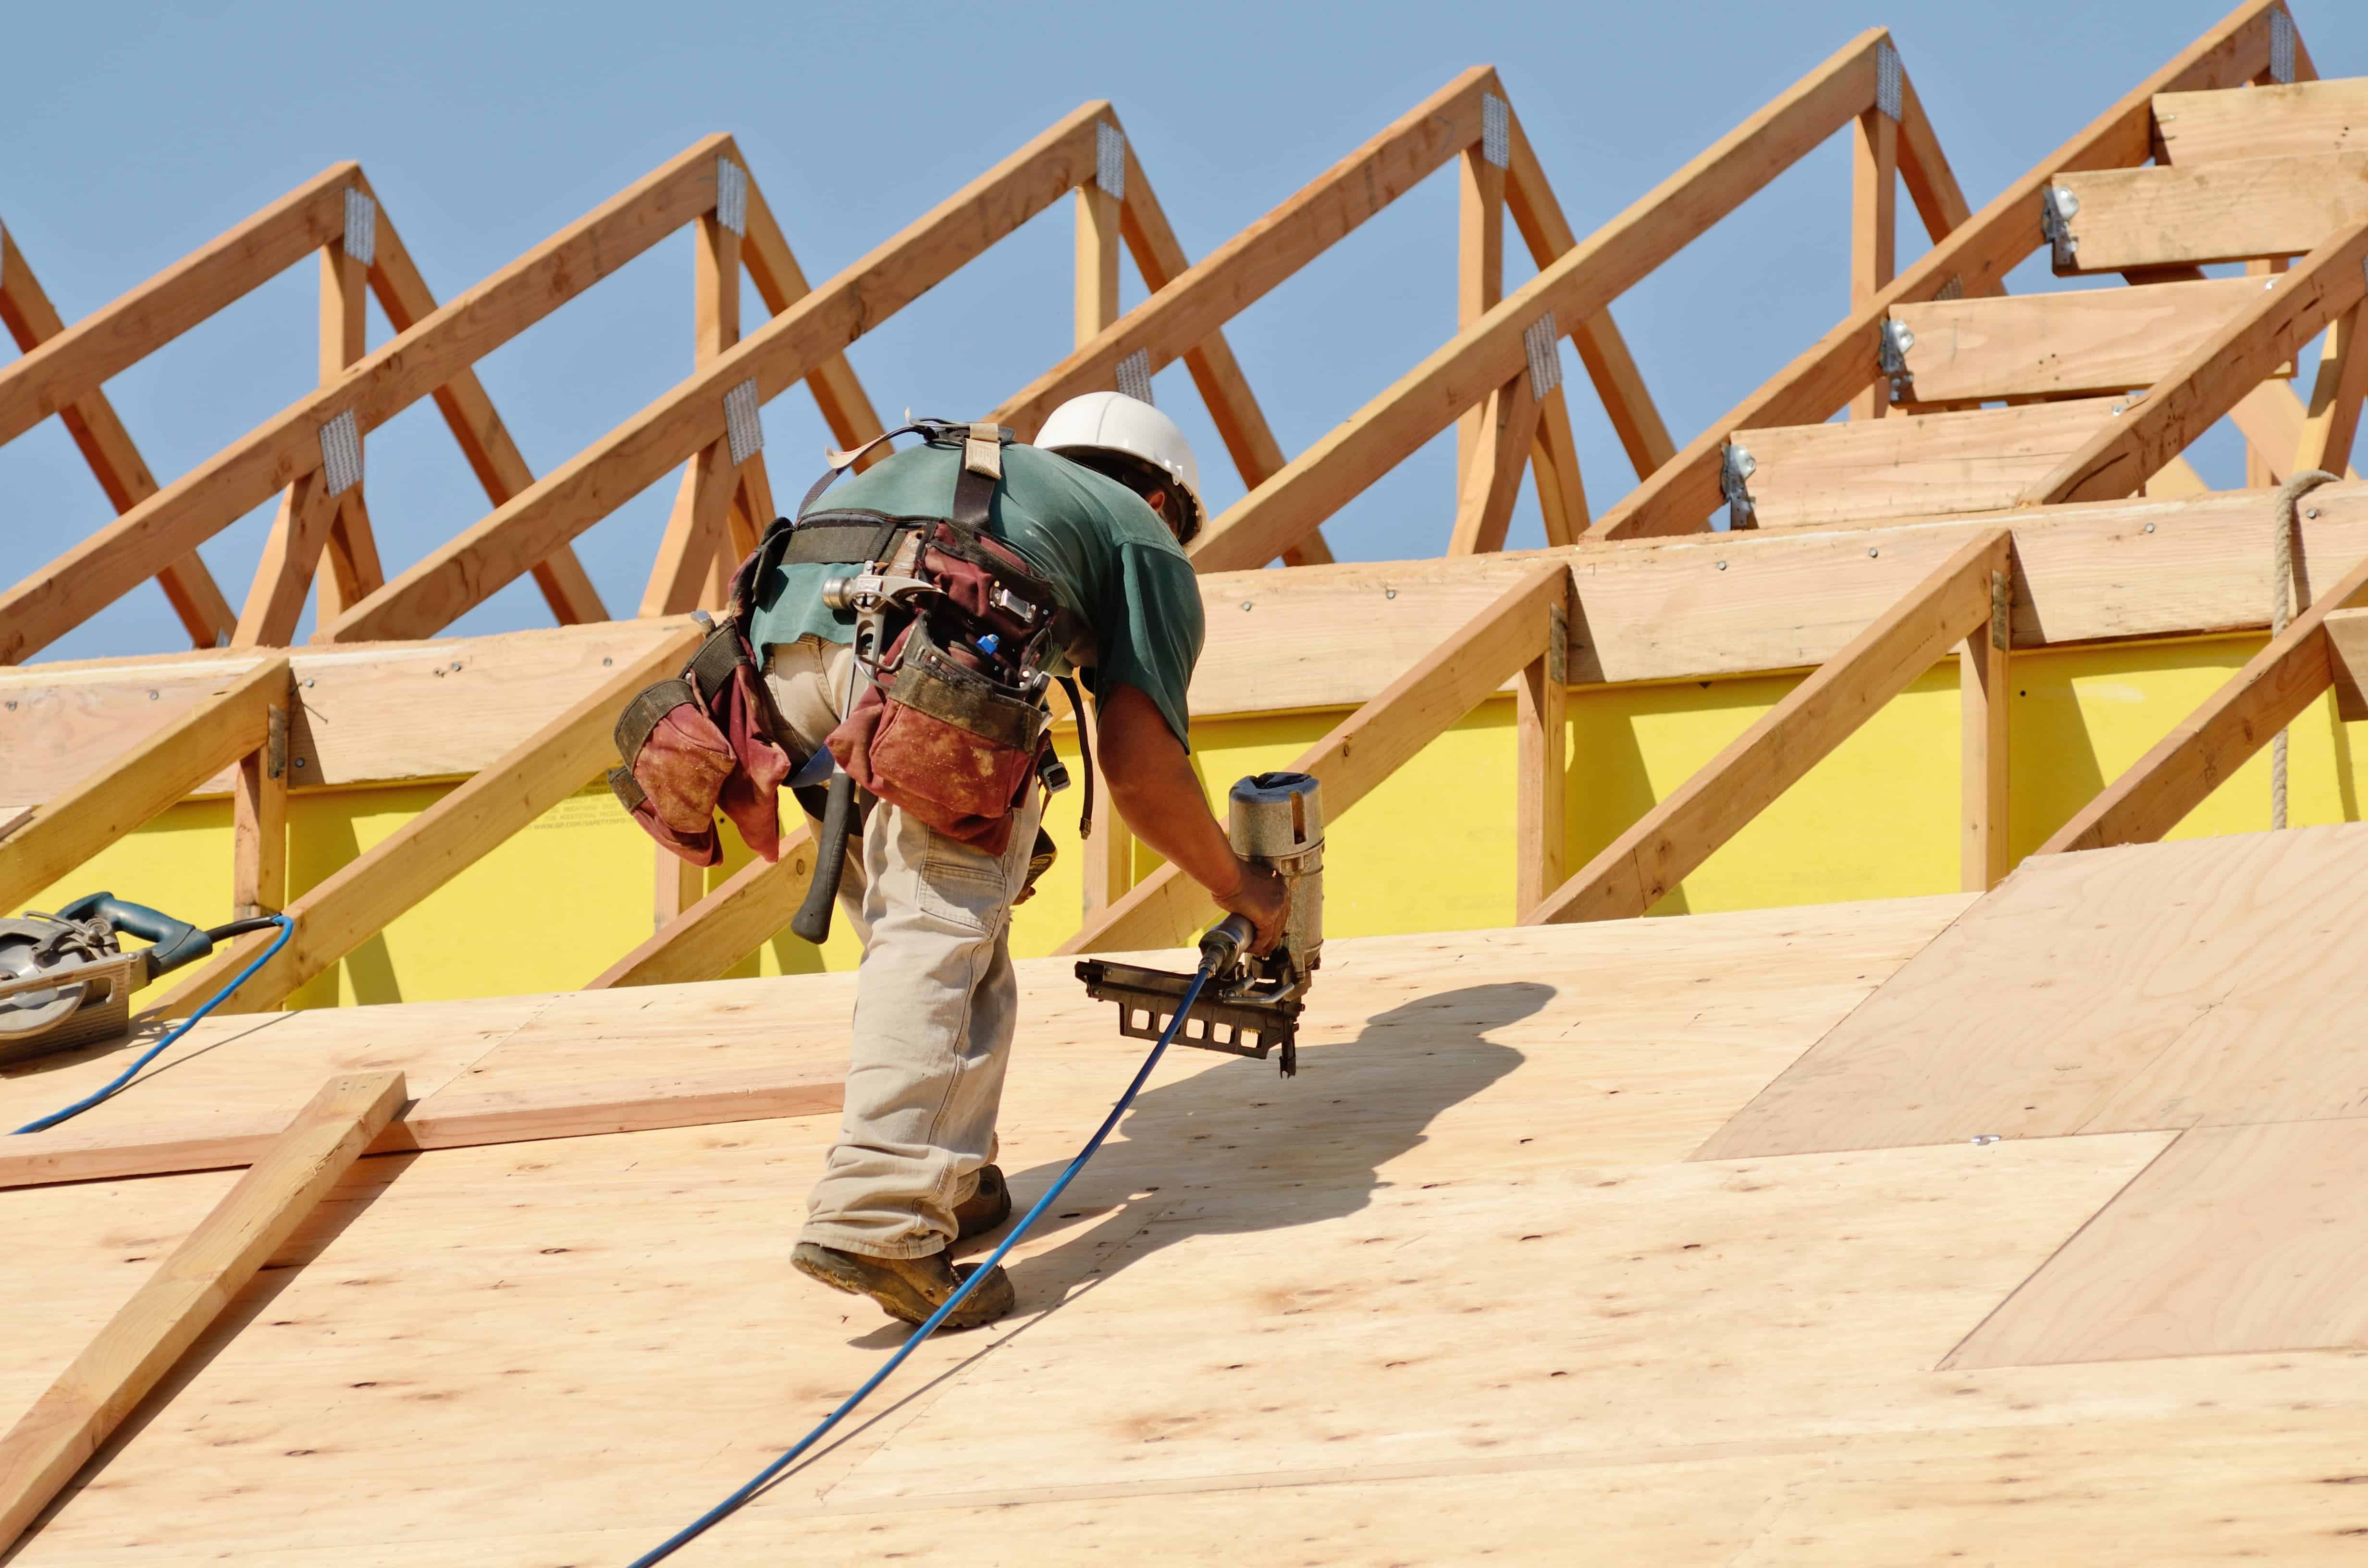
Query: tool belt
(700,744)
(951,722)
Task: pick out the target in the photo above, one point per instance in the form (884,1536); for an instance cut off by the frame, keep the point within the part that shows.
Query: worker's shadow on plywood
(1234,1149)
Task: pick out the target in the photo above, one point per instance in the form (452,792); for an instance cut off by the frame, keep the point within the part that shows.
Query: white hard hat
(1113,421)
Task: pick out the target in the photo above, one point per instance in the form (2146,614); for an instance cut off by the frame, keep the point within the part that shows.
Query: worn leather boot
(986,1209)
(907,1288)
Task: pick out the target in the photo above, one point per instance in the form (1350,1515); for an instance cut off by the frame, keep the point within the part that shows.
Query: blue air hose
(287,929)
(1060,1184)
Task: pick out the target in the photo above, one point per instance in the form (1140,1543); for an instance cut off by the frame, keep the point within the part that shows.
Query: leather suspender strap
(1085,749)
(982,470)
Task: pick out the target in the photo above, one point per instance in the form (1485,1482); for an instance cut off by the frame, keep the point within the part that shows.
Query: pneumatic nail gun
(1252,1002)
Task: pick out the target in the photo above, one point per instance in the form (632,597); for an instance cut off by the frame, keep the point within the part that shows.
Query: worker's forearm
(1170,815)
(1152,783)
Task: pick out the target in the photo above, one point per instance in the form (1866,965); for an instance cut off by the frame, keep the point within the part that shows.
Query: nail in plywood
(1973,461)
(2237,1239)
(2092,340)
(2264,122)
(2231,211)
(190,1288)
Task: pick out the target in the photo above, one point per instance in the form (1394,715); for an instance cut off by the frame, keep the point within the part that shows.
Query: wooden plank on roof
(193,1285)
(1974,258)
(2270,121)
(1979,460)
(2231,211)
(712,934)
(1327,638)
(2092,340)
(2210,379)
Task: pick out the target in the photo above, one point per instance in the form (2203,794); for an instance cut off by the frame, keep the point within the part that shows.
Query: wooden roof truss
(1962,400)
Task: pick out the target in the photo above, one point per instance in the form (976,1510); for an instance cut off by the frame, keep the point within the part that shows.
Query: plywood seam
(2170,1142)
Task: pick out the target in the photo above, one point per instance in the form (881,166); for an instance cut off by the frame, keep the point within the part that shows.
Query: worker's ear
(1157,501)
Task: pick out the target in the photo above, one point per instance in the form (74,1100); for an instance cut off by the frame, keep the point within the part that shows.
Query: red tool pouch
(696,745)
(945,731)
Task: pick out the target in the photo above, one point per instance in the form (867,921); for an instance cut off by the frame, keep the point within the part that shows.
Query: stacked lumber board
(1480,1281)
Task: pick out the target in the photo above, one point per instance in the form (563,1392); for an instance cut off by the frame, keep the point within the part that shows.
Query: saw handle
(813,922)
(175,942)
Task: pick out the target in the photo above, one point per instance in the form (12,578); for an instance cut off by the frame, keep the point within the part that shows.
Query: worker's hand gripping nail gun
(1252,1002)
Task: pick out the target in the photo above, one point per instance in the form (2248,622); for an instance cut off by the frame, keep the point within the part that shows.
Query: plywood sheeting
(1454,1291)
(556,1352)
(2237,1239)
(2154,987)
(561,1065)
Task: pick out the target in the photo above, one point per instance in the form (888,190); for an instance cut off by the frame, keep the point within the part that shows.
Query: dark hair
(1143,478)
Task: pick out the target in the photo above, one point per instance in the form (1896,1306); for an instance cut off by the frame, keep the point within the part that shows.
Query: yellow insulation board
(1432,849)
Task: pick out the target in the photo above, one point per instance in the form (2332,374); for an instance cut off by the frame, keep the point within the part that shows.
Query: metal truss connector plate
(743,428)
(361,227)
(731,195)
(341,453)
(1134,375)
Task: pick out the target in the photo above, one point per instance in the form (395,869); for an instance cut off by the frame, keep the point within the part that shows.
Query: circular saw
(66,980)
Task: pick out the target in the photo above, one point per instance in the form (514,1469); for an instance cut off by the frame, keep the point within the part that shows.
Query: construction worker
(1100,507)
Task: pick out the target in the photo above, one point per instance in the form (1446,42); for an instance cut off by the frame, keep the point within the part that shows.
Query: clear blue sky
(136,135)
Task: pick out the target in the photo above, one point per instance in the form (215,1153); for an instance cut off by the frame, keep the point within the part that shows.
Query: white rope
(2281,589)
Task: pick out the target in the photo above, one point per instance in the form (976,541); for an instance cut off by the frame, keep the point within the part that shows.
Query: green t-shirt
(1107,555)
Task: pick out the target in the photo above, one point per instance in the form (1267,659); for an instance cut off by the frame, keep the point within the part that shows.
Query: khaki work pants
(936,1001)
